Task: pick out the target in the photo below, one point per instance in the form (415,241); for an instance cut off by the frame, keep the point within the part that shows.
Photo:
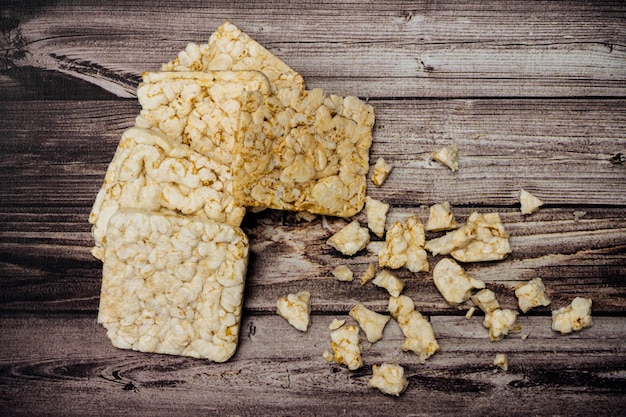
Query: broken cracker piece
(573,317)
(388,378)
(417,330)
(490,244)
(440,218)
(336,323)
(311,152)
(371,322)
(452,240)
(500,323)
(454,284)
(346,345)
(486,300)
(343,273)
(502,361)
(531,294)
(528,202)
(376,212)
(173,284)
(296,309)
(449,156)
(350,239)
(404,246)
(381,171)
(369,274)
(387,280)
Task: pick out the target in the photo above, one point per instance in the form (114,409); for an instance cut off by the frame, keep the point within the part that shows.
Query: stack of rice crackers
(223,127)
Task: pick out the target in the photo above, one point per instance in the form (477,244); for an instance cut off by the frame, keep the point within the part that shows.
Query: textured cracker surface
(173,285)
(200,109)
(154,173)
(311,153)
(229,48)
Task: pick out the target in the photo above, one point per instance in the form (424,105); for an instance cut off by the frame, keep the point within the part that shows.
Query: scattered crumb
(449,156)
(574,317)
(381,172)
(470,313)
(529,203)
(306,216)
(389,379)
(502,361)
(343,273)
(440,218)
(369,274)
(325,224)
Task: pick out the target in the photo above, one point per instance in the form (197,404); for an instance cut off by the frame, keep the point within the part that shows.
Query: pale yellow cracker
(152,172)
(173,285)
(311,154)
(200,109)
(229,48)
(404,246)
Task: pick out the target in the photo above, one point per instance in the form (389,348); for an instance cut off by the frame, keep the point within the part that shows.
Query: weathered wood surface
(534,93)
(548,374)
(388,49)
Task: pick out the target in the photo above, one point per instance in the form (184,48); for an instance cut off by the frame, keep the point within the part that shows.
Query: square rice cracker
(173,285)
(229,48)
(311,152)
(200,109)
(152,172)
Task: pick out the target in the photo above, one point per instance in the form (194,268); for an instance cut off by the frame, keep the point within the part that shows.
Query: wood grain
(560,150)
(574,257)
(258,381)
(394,49)
(534,94)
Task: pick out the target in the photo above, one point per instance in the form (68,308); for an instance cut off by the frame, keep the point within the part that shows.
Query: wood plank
(575,257)
(278,370)
(390,50)
(563,151)
(532,92)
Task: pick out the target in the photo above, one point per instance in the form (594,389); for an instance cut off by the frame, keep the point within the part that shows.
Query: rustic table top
(533,93)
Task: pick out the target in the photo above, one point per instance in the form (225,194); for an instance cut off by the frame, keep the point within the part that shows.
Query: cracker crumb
(529,203)
(448,156)
(343,273)
(502,361)
(381,171)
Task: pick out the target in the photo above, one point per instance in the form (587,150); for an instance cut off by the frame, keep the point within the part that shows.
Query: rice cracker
(303,150)
(152,172)
(173,284)
(228,49)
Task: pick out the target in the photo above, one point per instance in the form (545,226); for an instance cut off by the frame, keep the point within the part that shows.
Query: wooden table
(533,93)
